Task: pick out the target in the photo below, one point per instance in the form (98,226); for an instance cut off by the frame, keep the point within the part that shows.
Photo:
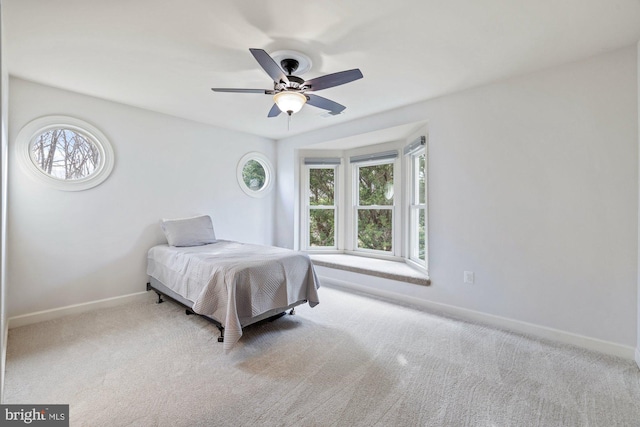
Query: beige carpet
(350,361)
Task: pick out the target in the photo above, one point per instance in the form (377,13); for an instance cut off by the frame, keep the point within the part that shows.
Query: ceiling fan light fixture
(289,90)
(289,102)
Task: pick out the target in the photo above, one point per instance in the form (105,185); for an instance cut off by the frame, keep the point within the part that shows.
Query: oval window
(255,174)
(64,152)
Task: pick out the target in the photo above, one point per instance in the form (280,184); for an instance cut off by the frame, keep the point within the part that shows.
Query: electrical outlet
(468,277)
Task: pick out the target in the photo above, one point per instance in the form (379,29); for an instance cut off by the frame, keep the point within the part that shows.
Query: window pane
(422,235)
(321,187)
(65,154)
(254,175)
(321,227)
(376,185)
(420,173)
(375,229)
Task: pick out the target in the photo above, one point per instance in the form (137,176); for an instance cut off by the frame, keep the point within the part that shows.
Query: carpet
(353,360)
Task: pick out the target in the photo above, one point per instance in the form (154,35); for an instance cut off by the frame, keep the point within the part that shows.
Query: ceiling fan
(290,92)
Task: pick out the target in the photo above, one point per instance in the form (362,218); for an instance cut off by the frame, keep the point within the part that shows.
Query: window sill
(393,270)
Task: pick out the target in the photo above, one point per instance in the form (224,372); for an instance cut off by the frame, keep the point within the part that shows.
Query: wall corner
(637,357)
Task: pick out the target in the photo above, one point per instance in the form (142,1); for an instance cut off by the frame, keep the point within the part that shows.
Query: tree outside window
(254,175)
(372,213)
(375,207)
(418,209)
(322,209)
(65,154)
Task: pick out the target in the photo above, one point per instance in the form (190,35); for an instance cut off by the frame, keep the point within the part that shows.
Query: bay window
(375,204)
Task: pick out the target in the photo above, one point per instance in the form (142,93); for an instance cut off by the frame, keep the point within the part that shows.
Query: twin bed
(232,284)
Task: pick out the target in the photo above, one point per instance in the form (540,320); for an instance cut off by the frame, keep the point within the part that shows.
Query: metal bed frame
(162,290)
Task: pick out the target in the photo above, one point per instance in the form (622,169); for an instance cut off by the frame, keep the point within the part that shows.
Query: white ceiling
(166,55)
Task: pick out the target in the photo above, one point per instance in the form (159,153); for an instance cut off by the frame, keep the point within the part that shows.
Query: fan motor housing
(295,82)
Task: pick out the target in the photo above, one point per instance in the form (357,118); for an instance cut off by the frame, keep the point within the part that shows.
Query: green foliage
(421,178)
(422,236)
(421,226)
(374,229)
(254,175)
(321,187)
(322,193)
(375,185)
(375,188)
(321,227)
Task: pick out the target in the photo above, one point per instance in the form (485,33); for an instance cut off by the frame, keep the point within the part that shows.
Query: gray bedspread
(230,281)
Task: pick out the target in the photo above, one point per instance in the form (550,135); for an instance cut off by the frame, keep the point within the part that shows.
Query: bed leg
(189,312)
(160,300)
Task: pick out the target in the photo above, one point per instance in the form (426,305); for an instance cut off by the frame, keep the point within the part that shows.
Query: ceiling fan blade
(274,112)
(324,103)
(335,79)
(269,65)
(223,89)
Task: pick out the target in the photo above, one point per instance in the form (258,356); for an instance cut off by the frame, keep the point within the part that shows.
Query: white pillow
(195,231)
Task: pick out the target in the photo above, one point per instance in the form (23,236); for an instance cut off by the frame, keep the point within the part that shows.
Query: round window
(255,174)
(64,152)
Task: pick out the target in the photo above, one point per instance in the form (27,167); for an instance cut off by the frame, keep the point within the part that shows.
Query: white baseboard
(41,316)
(638,356)
(595,344)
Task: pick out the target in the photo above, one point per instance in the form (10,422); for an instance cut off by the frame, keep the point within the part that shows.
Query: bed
(233,284)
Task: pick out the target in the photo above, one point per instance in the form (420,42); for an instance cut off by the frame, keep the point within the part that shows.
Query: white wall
(534,187)
(68,248)
(638,311)
(4,118)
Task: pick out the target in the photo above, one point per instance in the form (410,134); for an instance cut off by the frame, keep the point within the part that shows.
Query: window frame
(356,207)
(414,207)
(32,130)
(268,171)
(306,229)
(346,191)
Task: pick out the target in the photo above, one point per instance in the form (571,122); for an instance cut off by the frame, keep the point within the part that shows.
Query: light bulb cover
(289,102)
